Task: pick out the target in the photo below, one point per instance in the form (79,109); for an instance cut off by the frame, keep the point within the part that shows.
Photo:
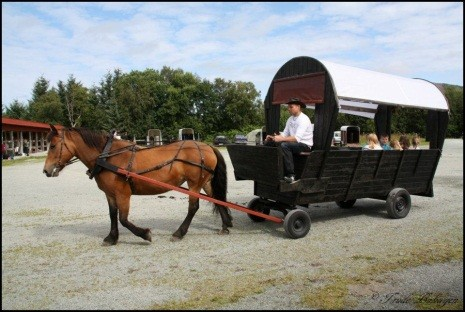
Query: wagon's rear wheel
(346,204)
(257,205)
(297,223)
(398,203)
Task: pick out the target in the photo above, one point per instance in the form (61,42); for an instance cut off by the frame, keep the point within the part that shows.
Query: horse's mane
(92,138)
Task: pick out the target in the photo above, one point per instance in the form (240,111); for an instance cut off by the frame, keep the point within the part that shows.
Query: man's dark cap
(296,101)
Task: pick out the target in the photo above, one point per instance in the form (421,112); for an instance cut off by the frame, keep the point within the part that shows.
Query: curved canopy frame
(332,88)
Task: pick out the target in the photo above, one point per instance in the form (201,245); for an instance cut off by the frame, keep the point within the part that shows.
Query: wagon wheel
(297,223)
(398,203)
(346,204)
(257,205)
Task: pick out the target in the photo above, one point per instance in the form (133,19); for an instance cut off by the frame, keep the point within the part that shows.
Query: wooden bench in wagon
(341,174)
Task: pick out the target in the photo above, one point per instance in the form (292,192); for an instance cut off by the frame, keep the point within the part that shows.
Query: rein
(72,160)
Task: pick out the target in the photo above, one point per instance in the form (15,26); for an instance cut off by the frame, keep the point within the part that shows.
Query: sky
(235,41)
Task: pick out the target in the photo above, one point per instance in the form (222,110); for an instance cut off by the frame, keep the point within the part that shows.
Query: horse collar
(102,158)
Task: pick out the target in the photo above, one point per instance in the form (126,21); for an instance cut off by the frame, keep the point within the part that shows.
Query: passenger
(26,147)
(4,149)
(404,142)
(372,142)
(395,145)
(11,150)
(415,142)
(384,141)
(296,137)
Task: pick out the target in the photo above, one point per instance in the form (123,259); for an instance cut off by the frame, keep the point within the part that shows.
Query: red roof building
(24,136)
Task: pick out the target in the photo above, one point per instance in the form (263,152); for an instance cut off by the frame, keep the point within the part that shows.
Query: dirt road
(53,258)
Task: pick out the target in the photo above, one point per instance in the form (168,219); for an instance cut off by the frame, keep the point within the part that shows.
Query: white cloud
(234,41)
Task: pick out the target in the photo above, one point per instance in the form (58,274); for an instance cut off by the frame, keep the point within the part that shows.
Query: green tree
(74,98)
(41,86)
(133,97)
(16,110)
(238,105)
(47,108)
(103,113)
(206,108)
(454,96)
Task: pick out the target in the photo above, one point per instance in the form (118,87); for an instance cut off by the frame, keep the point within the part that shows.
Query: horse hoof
(223,232)
(175,238)
(148,235)
(109,242)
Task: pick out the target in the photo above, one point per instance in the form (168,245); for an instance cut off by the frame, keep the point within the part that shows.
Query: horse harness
(101,162)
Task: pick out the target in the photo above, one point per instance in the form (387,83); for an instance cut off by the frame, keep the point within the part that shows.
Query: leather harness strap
(97,168)
(101,162)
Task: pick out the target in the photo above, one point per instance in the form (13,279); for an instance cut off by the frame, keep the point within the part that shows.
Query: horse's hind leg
(123,207)
(182,230)
(112,238)
(226,217)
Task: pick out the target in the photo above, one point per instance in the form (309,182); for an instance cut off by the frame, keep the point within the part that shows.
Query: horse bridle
(72,160)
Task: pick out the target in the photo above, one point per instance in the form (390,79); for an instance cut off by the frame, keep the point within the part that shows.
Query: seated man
(296,137)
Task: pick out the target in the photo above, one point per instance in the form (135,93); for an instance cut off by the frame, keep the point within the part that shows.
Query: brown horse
(200,165)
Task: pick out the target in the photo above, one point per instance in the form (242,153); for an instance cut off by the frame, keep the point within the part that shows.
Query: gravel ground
(53,258)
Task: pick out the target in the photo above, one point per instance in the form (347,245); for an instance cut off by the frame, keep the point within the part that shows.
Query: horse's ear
(53,128)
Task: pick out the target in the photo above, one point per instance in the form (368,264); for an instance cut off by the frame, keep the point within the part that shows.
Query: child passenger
(384,141)
(372,142)
(395,145)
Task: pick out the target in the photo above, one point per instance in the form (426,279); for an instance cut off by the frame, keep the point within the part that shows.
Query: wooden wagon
(342,174)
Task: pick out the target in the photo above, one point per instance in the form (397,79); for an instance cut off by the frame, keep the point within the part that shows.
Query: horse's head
(59,153)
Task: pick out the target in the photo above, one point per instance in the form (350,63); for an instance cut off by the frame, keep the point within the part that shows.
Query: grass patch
(51,250)
(334,295)
(22,160)
(213,293)
(329,288)
(33,213)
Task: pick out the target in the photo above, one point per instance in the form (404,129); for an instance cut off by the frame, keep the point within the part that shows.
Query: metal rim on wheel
(401,203)
(297,223)
(398,203)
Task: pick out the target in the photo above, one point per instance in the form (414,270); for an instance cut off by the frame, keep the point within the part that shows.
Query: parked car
(337,138)
(240,139)
(220,140)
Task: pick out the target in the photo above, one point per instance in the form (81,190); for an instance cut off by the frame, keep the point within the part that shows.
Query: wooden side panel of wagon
(336,175)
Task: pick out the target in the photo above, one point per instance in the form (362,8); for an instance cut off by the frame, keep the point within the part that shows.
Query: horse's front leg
(182,230)
(112,237)
(123,208)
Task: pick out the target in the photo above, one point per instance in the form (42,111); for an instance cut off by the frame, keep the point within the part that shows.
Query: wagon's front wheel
(398,203)
(297,223)
(257,205)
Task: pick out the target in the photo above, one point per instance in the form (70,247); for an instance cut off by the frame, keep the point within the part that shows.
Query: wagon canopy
(357,87)
(331,88)
(360,91)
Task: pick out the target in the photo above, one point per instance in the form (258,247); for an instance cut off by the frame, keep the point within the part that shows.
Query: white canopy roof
(359,91)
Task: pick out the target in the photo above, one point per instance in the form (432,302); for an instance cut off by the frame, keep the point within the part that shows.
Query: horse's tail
(220,187)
